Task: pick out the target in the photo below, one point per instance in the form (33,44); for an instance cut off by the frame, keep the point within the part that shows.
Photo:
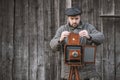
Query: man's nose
(74,20)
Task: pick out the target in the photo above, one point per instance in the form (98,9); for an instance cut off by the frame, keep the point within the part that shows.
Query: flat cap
(73,11)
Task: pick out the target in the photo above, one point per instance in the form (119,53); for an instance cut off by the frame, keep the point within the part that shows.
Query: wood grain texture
(108,7)
(117,7)
(40,40)
(20,61)
(108,49)
(33,56)
(117,49)
(6,39)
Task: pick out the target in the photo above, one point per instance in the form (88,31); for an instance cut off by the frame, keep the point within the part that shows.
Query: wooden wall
(110,15)
(27,26)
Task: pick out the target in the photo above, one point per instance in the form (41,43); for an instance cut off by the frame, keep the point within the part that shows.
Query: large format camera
(77,54)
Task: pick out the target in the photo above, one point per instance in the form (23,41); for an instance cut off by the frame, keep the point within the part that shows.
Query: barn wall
(110,21)
(26,28)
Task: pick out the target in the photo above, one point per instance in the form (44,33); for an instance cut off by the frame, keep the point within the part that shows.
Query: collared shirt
(97,37)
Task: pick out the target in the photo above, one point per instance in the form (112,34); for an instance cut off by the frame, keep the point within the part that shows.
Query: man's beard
(74,25)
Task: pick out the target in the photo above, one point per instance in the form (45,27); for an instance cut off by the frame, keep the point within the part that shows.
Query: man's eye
(76,18)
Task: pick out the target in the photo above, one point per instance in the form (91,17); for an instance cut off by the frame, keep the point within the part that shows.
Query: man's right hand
(64,35)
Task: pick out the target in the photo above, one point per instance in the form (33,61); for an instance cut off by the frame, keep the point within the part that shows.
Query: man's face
(74,20)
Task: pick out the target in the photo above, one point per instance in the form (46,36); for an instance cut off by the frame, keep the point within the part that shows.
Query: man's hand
(63,35)
(84,33)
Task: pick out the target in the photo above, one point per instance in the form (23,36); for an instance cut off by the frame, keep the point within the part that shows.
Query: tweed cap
(73,11)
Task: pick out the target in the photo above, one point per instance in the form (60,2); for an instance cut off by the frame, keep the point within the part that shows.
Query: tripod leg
(77,77)
(74,71)
(71,72)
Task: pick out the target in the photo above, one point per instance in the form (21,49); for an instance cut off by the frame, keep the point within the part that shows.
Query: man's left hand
(84,33)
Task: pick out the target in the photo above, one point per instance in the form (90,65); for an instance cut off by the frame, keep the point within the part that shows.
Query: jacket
(97,37)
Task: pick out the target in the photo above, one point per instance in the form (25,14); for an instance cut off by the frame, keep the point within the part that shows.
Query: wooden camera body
(76,54)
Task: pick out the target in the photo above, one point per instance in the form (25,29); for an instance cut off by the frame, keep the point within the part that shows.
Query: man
(89,35)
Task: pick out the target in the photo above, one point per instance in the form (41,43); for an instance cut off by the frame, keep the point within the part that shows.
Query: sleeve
(55,43)
(96,36)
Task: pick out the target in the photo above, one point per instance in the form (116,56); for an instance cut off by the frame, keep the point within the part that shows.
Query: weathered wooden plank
(18,45)
(117,48)
(117,7)
(117,45)
(85,9)
(76,3)
(56,56)
(1,23)
(97,23)
(40,40)
(20,63)
(24,41)
(9,40)
(62,12)
(7,16)
(91,14)
(51,21)
(59,15)
(47,24)
(54,23)
(32,40)
(108,49)
(107,7)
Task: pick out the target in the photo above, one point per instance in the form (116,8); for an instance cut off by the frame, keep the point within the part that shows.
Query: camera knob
(73,39)
(75,54)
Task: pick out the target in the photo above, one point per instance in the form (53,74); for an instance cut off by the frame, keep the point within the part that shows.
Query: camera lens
(75,54)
